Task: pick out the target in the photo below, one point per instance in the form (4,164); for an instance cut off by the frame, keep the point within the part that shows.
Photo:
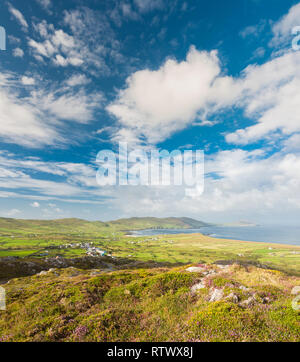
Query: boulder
(195,269)
(196,287)
(216,295)
(43,273)
(233,298)
(249,302)
(295,290)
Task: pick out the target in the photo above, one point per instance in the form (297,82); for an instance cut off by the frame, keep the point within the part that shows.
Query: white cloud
(77,79)
(78,106)
(46,4)
(34,118)
(35,204)
(11,213)
(27,80)
(18,177)
(56,45)
(268,186)
(13,39)
(88,43)
(95,38)
(270,94)
(254,30)
(149,5)
(292,144)
(20,121)
(156,104)
(18,53)
(18,16)
(282,29)
(128,12)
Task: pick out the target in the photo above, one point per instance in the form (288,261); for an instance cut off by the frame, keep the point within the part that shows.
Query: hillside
(74,225)
(137,223)
(143,289)
(204,303)
(51,226)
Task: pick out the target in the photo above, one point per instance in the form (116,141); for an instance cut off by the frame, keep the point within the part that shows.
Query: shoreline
(136,233)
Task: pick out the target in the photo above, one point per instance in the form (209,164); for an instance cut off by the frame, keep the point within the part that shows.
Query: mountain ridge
(132,223)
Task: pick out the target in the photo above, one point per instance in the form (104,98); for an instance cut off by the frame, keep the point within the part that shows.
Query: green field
(36,238)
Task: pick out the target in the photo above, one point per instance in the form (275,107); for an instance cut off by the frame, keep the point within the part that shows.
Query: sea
(268,233)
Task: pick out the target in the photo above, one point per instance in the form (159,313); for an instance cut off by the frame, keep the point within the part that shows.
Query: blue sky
(79,76)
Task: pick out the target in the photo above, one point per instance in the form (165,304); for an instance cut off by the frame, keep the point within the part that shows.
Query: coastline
(252,234)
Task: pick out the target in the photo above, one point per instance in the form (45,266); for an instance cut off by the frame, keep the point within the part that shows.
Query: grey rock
(197,287)
(249,302)
(195,269)
(43,273)
(233,298)
(216,295)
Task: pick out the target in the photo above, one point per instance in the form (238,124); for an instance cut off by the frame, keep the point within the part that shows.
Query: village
(91,250)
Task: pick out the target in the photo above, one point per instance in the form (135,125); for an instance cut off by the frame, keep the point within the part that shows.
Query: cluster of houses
(76,246)
(96,252)
(91,250)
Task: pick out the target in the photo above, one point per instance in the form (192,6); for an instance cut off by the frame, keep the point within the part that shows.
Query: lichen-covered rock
(197,287)
(195,269)
(232,297)
(216,295)
(248,302)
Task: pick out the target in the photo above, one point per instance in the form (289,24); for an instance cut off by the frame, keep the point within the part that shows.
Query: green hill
(208,303)
(136,223)
(79,225)
(43,226)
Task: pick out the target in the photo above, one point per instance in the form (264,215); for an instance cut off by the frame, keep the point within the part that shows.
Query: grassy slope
(149,305)
(79,225)
(137,223)
(145,305)
(54,226)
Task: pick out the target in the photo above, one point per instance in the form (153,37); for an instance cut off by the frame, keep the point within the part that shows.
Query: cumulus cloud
(270,94)
(155,104)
